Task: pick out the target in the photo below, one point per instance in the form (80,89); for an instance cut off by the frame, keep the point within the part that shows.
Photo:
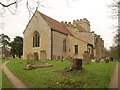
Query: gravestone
(111,58)
(43,55)
(30,62)
(54,57)
(97,59)
(106,60)
(79,64)
(76,64)
(86,57)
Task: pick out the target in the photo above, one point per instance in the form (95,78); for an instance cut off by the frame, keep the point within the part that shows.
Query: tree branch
(8,4)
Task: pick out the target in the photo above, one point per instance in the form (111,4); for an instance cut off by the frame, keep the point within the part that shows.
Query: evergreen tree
(4,44)
(17,47)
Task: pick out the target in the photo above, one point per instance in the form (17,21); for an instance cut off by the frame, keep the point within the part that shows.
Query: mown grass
(94,75)
(5,81)
(0,74)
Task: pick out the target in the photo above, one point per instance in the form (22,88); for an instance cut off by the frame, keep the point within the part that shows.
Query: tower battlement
(67,23)
(84,23)
(84,20)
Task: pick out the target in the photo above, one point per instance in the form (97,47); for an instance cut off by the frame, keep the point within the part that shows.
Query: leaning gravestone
(86,57)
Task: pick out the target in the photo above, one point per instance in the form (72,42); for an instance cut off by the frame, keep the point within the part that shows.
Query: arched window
(36,39)
(64,45)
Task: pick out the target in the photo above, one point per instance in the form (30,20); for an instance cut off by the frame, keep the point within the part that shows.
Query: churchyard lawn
(94,75)
(5,81)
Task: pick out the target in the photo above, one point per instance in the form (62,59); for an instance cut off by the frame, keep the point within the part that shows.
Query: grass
(0,74)
(94,75)
(5,81)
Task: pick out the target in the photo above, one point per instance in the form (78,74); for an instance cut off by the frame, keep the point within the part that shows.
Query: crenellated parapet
(80,24)
(67,24)
(83,23)
(78,21)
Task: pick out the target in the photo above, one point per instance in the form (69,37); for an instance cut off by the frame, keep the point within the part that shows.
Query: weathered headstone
(106,60)
(86,57)
(97,59)
(76,64)
(111,58)
(54,57)
(29,62)
(79,64)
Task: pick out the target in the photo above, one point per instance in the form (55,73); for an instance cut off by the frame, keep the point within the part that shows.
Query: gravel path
(114,80)
(14,80)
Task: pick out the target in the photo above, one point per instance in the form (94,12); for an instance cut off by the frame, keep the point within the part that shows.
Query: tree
(17,47)
(4,43)
(117,43)
(12,5)
(13,49)
(113,52)
(115,6)
(117,38)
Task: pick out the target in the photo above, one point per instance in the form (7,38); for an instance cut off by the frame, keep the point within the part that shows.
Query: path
(114,81)
(14,80)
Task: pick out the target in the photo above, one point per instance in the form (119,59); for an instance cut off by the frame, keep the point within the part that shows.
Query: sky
(96,11)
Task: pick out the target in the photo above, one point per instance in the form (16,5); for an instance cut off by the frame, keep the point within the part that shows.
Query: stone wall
(81,30)
(82,47)
(99,48)
(38,24)
(58,52)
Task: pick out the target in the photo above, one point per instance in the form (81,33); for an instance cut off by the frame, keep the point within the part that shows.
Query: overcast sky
(96,11)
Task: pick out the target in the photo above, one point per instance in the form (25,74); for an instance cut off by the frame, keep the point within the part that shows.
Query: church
(47,39)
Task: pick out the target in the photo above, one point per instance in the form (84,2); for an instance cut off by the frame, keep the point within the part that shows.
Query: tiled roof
(55,24)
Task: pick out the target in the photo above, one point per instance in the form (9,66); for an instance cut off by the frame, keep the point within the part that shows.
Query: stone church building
(46,38)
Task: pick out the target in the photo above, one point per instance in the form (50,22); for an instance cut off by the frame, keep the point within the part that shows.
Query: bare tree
(9,4)
(12,5)
(115,6)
